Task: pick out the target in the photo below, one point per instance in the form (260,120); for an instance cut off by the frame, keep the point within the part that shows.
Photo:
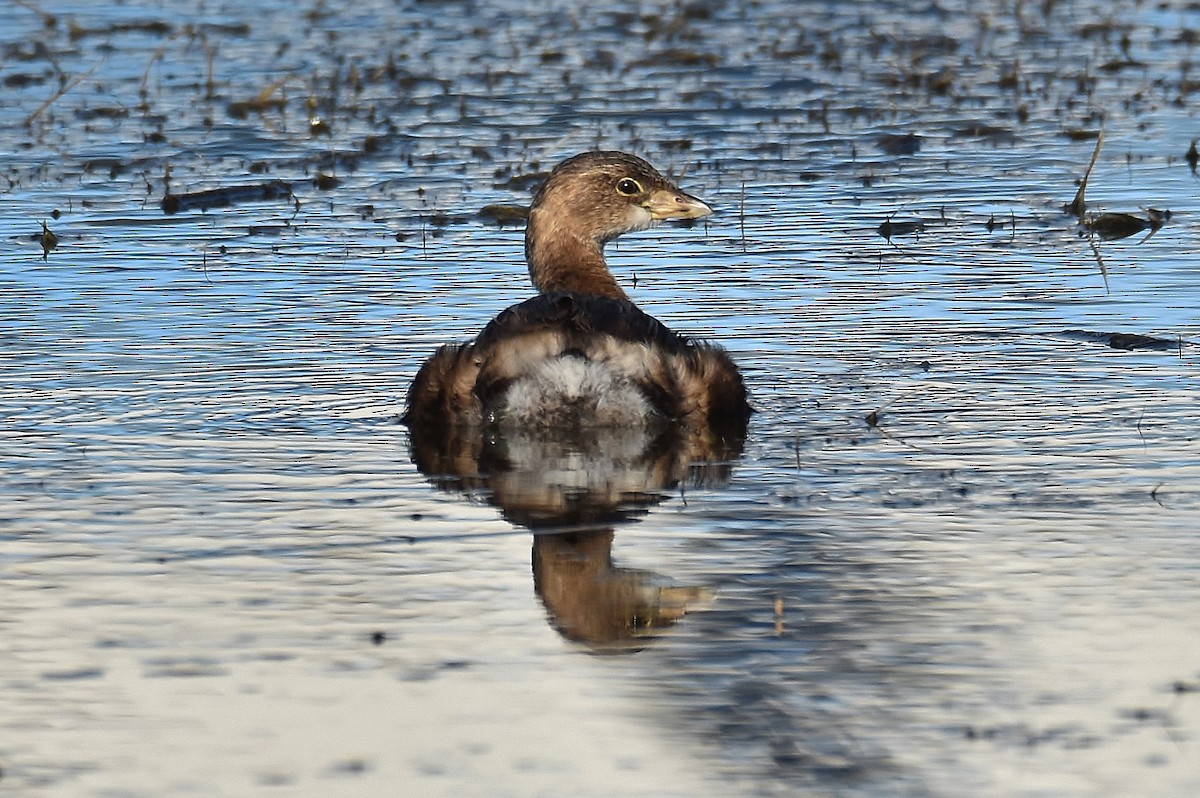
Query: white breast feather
(571,391)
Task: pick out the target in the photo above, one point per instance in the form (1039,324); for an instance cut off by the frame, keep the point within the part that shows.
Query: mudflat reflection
(572,489)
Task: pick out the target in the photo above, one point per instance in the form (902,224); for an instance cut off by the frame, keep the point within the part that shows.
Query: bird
(581,354)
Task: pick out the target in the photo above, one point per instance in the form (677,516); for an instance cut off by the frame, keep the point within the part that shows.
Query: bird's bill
(666,204)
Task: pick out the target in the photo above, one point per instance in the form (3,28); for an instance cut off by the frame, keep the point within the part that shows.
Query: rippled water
(958,554)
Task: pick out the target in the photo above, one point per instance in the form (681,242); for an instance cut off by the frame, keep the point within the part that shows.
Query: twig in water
(742,216)
(1099,262)
(1077,205)
(49,20)
(66,87)
(210,86)
(143,92)
(872,418)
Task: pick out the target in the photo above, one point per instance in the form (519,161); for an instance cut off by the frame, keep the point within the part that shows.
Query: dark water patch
(74,674)
(184,667)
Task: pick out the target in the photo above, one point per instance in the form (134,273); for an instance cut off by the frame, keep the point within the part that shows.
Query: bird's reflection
(572,490)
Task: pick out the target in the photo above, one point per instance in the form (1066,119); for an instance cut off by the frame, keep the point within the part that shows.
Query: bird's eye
(628,187)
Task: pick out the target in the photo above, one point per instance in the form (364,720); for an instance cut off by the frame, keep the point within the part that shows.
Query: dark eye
(628,187)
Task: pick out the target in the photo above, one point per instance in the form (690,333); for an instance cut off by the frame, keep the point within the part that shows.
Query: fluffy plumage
(581,354)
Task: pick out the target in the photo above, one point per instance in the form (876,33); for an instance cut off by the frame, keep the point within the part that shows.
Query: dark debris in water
(1022,735)
(523,182)
(47,239)
(900,227)
(1110,226)
(350,767)
(899,144)
(151,27)
(74,674)
(993,224)
(678,57)
(324,182)
(501,214)
(227,196)
(980,130)
(1128,341)
(1077,205)
(443,219)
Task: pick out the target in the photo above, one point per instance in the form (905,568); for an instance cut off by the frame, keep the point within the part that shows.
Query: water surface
(958,554)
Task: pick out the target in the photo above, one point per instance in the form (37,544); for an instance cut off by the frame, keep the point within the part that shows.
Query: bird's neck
(561,259)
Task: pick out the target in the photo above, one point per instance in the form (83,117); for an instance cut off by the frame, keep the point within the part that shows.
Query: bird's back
(573,360)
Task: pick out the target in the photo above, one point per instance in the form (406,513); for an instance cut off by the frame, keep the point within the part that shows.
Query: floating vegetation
(1128,341)
(325,182)
(525,182)
(1077,205)
(903,227)
(225,197)
(47,239)
(678,145)
(317,126)
(991,225)
(501,215)
(1112,225)
(270,98)
(1109,226)
(152,27)
(678,57)
(980,130)
(443,219)
(899,143)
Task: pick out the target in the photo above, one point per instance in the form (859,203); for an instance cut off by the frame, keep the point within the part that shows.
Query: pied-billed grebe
(581,354)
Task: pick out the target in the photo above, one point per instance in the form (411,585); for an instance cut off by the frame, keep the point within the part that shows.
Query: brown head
(587,201)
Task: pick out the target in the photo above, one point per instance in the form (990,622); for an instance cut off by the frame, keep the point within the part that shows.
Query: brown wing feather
(682,378)
(444,389)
